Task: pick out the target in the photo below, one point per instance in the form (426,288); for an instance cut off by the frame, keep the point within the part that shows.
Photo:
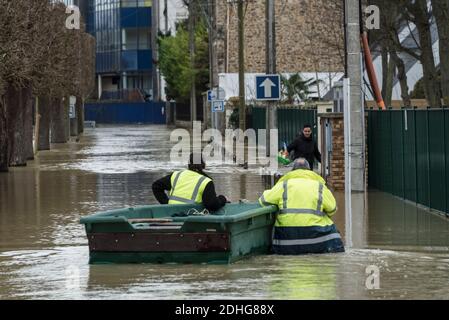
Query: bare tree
(441,13)
(418,13)
(40,56)
(18,46)
(387,39)
(87,76)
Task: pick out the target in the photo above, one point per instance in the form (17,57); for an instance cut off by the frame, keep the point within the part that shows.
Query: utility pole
(207,8)
(211,13)
(210,25)
(192,59)
(356,103)
(271,115)
(219,117)
(354,121)
(241,42)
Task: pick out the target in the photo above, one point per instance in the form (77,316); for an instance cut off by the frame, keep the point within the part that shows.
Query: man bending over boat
(191,186)
(303,224)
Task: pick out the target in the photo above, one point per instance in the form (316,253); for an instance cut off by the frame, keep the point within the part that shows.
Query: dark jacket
(305,148)
(210,200)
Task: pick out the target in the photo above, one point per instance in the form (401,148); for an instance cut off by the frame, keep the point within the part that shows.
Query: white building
(170,13)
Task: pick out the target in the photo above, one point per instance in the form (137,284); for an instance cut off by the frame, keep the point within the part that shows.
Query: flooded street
(44,252)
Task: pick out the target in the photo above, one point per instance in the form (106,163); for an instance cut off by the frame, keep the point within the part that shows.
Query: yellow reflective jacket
(303,200)
(187,187)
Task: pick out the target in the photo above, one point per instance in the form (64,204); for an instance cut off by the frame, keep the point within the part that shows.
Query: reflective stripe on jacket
(303,224)
(303,200)
(187,187)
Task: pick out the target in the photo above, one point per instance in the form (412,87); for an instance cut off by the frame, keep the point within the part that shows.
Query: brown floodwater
(44,253)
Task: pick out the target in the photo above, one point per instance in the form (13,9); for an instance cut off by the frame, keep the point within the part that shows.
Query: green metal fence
(290,122)
(408,155)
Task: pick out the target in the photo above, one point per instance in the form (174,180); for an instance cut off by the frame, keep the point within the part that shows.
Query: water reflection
(401,224)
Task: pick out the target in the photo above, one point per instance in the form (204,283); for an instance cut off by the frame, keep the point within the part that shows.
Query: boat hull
(235,232)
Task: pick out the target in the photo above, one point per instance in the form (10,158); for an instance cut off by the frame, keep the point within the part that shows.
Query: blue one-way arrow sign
(268,87)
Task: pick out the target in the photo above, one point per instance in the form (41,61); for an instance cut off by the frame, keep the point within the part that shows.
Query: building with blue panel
(123,30)
(124,47)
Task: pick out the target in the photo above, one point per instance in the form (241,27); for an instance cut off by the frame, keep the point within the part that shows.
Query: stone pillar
(335,157)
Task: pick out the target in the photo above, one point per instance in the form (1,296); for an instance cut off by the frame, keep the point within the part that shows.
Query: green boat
(179,234)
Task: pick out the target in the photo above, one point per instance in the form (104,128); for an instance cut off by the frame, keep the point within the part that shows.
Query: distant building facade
(309,40)
(309,36)
(125,40)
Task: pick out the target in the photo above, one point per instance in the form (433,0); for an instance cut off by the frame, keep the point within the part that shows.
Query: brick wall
(337,162)
(309,36)
(336,177)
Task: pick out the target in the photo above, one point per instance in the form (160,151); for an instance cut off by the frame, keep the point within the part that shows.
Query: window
(136,3)
(129,3)
(136,39)
(144,39)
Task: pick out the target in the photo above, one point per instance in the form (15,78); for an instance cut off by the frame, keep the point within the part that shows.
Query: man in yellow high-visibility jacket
(191,186)
(303,224)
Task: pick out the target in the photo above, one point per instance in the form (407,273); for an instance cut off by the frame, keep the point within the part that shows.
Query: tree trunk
(79,107)
(431,83)
(28,124)
(74,127)
(44,125)
(59,119)
(16,105)
(441,13)
(402,76)
(384,70)
(3,136)
(66,112)
(389,82)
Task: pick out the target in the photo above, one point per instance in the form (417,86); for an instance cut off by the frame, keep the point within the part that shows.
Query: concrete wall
(335,178)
